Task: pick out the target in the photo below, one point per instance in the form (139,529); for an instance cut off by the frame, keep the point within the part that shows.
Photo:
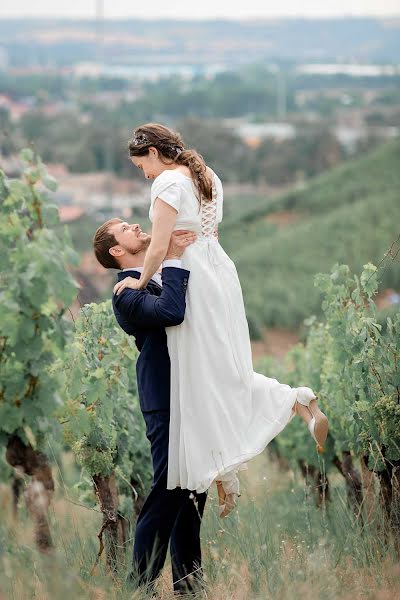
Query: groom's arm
(145,310)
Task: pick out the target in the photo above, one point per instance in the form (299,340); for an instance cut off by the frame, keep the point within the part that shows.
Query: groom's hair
(102,242)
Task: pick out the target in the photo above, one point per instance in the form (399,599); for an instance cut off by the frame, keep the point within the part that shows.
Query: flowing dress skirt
(222,413)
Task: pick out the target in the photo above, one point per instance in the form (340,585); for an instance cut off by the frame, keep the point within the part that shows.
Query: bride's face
(150,164)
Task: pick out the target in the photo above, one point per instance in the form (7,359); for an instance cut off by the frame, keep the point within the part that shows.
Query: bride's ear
(153,152)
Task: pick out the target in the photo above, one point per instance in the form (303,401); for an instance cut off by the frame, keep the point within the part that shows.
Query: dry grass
(276,546)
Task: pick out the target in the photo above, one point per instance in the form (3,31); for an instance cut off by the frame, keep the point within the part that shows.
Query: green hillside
(350,215)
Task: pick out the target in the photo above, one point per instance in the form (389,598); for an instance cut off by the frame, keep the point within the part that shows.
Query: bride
(222,413)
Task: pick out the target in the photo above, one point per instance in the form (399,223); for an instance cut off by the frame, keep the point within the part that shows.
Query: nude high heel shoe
(226,501)
(318,425)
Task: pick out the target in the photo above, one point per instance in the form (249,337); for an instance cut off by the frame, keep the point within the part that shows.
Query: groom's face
(131,239)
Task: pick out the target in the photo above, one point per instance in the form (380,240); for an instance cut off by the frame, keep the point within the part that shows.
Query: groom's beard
(143,247)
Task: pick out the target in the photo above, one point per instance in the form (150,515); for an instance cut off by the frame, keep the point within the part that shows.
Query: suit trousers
(168,516)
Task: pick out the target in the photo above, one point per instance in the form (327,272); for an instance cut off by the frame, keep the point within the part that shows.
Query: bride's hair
(170,145)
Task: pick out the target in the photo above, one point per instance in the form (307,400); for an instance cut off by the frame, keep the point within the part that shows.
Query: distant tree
(221,148)
(8,135)
(303,156)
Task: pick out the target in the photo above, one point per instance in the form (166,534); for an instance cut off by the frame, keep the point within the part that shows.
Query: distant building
(254,133)
(93,192)
(152,72)
(88,69)
(353,70)
(70,213)
(349,136)
(57,170)
(15,109)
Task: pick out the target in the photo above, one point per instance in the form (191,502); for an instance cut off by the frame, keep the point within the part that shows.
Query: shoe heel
(311,427)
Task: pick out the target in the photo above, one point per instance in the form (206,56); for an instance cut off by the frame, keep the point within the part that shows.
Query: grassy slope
(376,172)
(350,215)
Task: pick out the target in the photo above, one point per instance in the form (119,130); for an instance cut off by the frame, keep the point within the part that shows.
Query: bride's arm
(164,219)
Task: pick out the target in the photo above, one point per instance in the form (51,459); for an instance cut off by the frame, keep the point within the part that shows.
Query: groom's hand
(180,240)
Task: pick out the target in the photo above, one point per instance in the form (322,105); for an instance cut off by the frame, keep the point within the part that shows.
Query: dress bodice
(178,190)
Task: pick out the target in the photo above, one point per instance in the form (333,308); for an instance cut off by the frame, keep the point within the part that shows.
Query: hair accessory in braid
(139,138)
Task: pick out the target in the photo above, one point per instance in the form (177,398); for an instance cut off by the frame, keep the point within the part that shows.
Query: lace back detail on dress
(209,213)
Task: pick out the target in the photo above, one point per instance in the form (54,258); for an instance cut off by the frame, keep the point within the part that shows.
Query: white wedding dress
(222,413)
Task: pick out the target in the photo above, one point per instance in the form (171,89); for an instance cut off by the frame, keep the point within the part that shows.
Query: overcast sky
(200,8)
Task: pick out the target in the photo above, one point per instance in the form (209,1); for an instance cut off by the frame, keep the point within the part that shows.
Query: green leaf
(50,182)
(26,155)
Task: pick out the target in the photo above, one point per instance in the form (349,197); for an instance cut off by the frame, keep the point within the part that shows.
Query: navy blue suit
(167,515)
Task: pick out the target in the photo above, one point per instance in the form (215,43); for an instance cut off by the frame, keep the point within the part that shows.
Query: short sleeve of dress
(168,189)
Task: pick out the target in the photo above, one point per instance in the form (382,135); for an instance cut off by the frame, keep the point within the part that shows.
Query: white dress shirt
(170,262)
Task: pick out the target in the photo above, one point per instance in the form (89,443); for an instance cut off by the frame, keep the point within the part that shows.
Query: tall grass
(277,545)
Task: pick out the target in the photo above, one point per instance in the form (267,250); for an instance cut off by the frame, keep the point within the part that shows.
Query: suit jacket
(145,314)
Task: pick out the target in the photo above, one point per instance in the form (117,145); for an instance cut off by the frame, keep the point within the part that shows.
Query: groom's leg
(187,573)
(153,531)
(160,510)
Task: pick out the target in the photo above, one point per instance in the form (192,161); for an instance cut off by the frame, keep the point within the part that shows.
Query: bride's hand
(128,282)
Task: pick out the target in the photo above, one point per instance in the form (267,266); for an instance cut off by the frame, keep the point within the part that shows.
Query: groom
(167,515)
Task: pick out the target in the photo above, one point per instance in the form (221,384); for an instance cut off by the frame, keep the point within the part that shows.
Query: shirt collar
(156,277)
